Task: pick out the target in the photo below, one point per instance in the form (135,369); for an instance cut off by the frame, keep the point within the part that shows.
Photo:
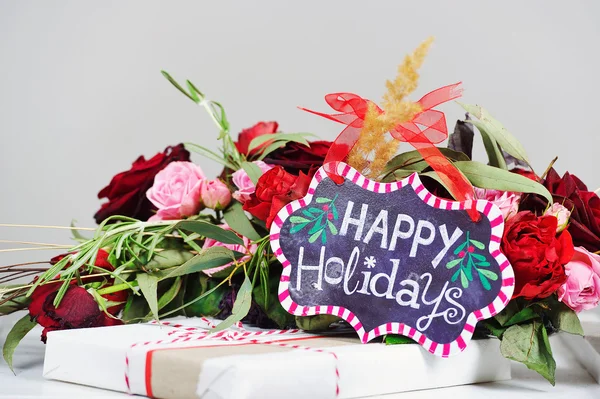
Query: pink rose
(247,248)
(581,291)
(176,191)
(561,213)
(215,194)
(242,181)
(507,202)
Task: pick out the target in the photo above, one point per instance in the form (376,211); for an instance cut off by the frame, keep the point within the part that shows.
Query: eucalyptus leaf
(495,156)
(565,319)
(253,171)
(238,221)
(168,258)
(16,334)
(528,344)
(318,322)
(283,138)
(498,132)
(148,283)
(394,339)
(406,159)
(170,294)
(210,230)
(485,176)
(241,306)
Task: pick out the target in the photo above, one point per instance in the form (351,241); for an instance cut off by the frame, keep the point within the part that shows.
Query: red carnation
(77,309)
(275,189)
(126,192)
(536,254)
(247,135)
(295,157)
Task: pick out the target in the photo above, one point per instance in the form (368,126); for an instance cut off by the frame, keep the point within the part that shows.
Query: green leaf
(207,259)
(16,334)
(238,222)
(283,138)
(485,176)
(318,322)
(484,281)
(460,248)
(148,283)
(453,263)
(455,275)
(492,149)
(393,339)
(299,219)
(264,296)
(171,293)
(498,132)
(528,344)
(205,152)
(515,313)
(493,327)
(565,319)
(76,234)
(478,257)
(253,171)
(241,306)
(477,244)
(210,230)
(334,212)
(167,259)
(177,86)
(197,285)
(412,161)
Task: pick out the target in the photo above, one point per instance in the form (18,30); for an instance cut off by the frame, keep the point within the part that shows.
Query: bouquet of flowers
(172,241)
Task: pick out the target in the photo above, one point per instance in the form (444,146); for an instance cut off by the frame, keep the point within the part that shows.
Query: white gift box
(271,366)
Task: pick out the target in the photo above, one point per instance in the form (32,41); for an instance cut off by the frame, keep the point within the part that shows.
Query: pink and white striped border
(491,211)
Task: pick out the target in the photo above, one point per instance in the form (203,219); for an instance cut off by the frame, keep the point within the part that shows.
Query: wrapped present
(181,360)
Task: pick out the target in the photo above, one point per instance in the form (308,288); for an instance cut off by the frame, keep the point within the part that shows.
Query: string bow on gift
(423,131)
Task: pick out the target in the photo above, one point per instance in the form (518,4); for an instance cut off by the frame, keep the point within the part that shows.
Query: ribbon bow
(427,128)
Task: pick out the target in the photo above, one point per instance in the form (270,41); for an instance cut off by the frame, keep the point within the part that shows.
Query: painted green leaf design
(298,227)
(478,257)
(453,263)
(314,237)
(334,212)
(332,228)
(299,219)
(483,264)
(463,280)
(489,274)
(477,244)
(455,275)
(306,212)
(460,248)
(484,281)
(323,200)
(318,226)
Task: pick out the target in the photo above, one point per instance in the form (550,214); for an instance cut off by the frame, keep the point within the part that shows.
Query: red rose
(295,157)
(126,192)
(536,254)
(573,194)
(78,309)
(275,189)
(247,135)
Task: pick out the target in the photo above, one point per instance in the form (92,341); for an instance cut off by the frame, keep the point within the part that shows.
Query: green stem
(117,288)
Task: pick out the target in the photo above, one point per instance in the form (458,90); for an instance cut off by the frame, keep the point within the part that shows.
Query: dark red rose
(78,309)
(295,157)
(247,135)
(573,194)
(126,192)
(536,254)
(275,189)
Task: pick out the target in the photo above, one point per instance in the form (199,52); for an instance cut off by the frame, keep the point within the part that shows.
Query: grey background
(81,95)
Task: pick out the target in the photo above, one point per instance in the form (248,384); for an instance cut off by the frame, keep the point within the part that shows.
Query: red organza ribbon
(425,130)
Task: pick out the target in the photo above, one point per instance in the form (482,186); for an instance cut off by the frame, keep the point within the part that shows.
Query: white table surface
(572,381)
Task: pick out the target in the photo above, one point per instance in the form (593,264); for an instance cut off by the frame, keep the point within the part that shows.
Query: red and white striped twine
(182,333)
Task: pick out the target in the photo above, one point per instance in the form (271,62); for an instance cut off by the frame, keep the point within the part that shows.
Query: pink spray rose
(561,213)
(581,291)
(507,202)
(247,248)
(176,191)
(215,194)
(242,181)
